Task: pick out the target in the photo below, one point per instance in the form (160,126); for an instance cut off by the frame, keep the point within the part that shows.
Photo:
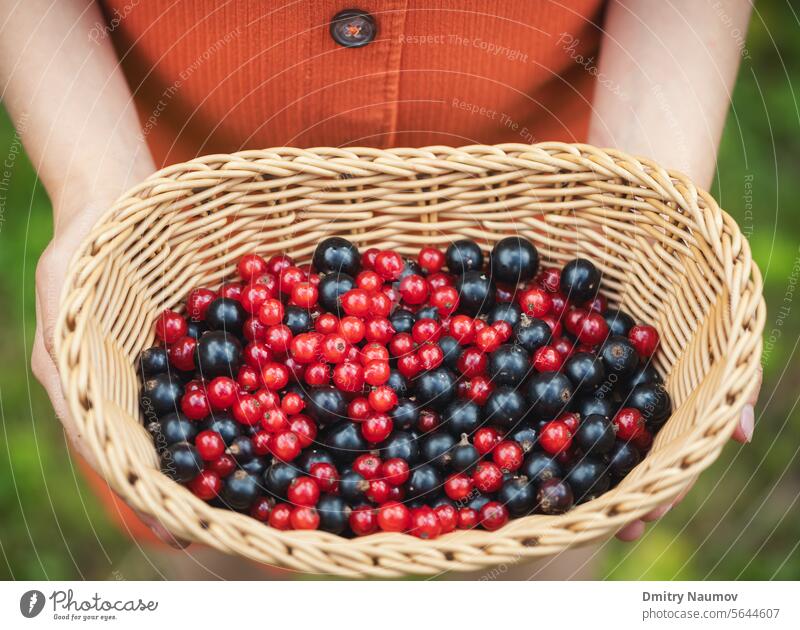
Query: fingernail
(747,422)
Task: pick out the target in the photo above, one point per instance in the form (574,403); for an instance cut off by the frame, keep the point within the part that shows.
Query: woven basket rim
(401,553)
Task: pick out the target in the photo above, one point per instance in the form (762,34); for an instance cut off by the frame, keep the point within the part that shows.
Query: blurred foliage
(740,521)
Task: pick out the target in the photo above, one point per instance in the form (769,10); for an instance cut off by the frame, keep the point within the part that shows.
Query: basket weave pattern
(668,254)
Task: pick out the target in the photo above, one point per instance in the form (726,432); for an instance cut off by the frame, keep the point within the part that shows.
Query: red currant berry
(448,517)
(409,365)
(445,300)
(479,388)
(488,339)
(280,517)
(181,353)
(377,427)
(424,523)
(271,313)
(248,379)
(317,374)
(380,303)
(430,356)
(305,295)
(573,319)
(363,521)
(262,442)
(555,437)
(352,329)
(389,265)
(289,277)
(279,339)
(458,486)
(304,428)
(382,399)
(210,445)
(369,281)
(376,372)
(644,339)
(292,403)
(285,446)
(253,296)
(535,302)
(171,326)
(508,455)
(430,260)
(485,439)
(275,376)
(472,362)
(197,303)
(554,324)
(247,410)
(379,330)
(256,354)
(206,485)
(378,491)
(629,423)
(401,344)
(251,266)
(396,471)
(260,509)
(327,323)
(307,347)
(468,518)
(462,329)
(368,258)
(493,516)
(394,517)
(194,405)
(231,290)
(368,466)
(593,329)
(426,330)
(304,518)
(358,409)
(571,420)
(487,477)
(356,302)
(303,491)
(547,359)
(254,330)
(326,476)
(414,289)
(549,279)
(348,377)
(223,465)
(222,393)
(441,279)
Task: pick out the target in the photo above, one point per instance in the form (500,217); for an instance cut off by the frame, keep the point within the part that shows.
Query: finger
(632,531)
(657,513)
(747,421)
(161,532)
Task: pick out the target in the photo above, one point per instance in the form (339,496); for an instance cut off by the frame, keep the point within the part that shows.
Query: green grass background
(740,521)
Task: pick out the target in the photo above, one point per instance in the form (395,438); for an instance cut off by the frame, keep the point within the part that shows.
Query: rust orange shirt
(222,75)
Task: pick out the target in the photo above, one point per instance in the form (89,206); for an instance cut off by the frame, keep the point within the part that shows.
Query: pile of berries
(369,392)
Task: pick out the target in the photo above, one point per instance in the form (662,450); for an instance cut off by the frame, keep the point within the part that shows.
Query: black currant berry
(514,260)
(588,479)
(526,437)
(240,490)
(532,333)
(153,361)
(337,255)
(173,428)
(311,456)
(653,401)
(506,406)
(241,449)
(645,374)
(195,329)
(352,487)
(580,280)
(592,404)
(549,394)
(463,456)
(619,322)
(399,383)
(436,449)
(297,319)
(405,415)
(595,435)
(508,312)
(425,481)
(619,356)
(452,351)
(410,268)
(623,459)
(554,497)
(435,388)
(402,445)
(476,293)
(402,320)
(218,354)
(585,371)
(278,477)
(462,256)
(462,416)
(161,394)
(181,462)
(223,424)
(331,288)
(345,442)
(256,466)
(539,467)
(333,514)
(226,314)
(326,404)
(510,364)
(518,494)
(428,312)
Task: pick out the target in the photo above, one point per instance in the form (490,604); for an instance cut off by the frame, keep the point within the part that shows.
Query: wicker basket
(669,256)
